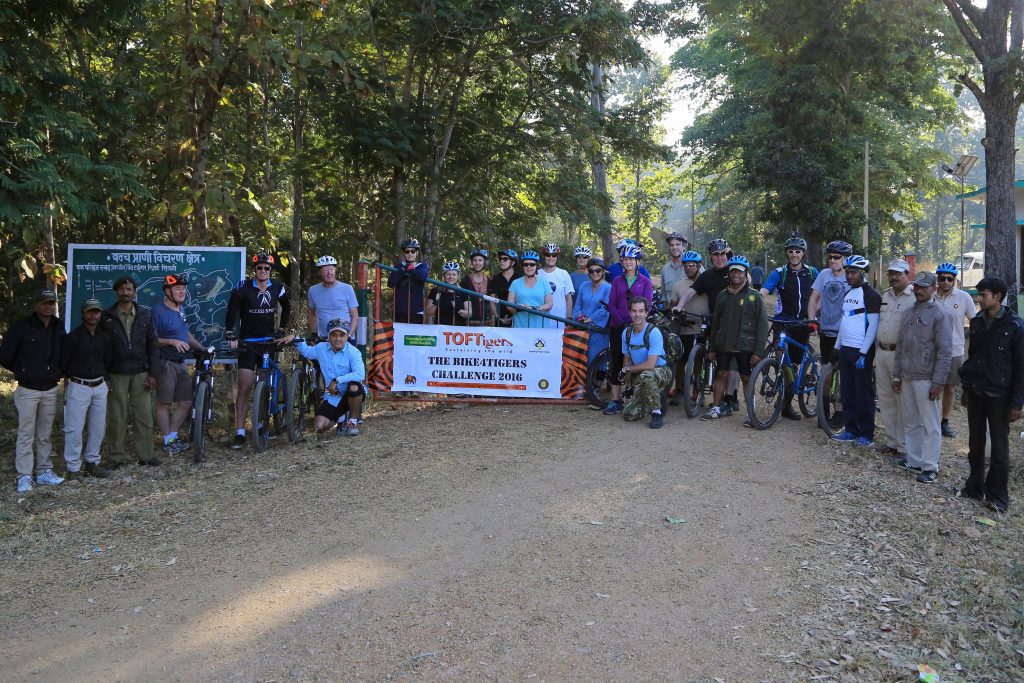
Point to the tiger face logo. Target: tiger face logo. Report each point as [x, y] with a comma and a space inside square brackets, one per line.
[410, 379]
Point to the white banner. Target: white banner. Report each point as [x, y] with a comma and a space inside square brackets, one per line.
[483, 361]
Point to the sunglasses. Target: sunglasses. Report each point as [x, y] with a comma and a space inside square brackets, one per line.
[504, 258]
[595, 271]
[409, 251]
[835, 257]
[794, 251]
[946, 278]
[529, 264]
[719, 253]
[267, 268]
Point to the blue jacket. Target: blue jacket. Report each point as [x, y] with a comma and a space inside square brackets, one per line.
[408, 286]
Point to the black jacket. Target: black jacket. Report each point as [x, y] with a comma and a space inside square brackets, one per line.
[141, 353]
[32, 352]
[995, 359]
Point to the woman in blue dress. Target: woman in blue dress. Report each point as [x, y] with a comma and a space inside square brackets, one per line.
[592, 306]
[531, 290]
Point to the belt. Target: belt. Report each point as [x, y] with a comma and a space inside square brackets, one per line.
[887, 347]
[87, 382]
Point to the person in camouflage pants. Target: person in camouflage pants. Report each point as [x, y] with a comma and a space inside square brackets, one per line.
[645, 370]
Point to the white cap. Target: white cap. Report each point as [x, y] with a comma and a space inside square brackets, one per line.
[899, 264]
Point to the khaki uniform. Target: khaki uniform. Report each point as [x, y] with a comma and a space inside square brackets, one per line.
[888, 338]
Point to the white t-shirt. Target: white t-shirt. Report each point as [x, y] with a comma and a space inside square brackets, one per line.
[857, 304]
[960, 306]
[561, 286]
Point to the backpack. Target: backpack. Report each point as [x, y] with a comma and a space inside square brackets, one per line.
[673, 344]
[784, 270]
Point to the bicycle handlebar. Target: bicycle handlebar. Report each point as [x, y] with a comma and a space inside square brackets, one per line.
[787, 322]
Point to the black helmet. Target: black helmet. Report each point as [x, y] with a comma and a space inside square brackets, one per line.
[718, 245]
[796, 243]
[839, 247]
[410, 243]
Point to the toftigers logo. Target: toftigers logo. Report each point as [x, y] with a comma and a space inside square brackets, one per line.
[410, 379]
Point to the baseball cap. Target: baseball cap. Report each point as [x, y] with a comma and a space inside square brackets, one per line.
[899, 264]
[924, 279]
[91, 305]
[337, 324]
[45, 294]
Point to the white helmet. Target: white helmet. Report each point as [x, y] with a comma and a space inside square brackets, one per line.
[582, 251]
[326, 261]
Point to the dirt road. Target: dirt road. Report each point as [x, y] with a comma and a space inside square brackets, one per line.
[484, 543]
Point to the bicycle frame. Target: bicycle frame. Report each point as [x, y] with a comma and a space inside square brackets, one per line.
[783, 344]
[269, 370]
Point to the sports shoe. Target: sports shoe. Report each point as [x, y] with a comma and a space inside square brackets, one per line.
[657, 422]
[714, 414]
[748, 424]
[238, 442]
[726, 408]
[181, 445]
[73, 476]
[353, 428]
[904, 465]
[928, 477]
[994, 507]
[844, 436]
[48, 478]
[864, 442]
[612, 408]
[790, 414]
[94, 469]
[947, 431]
[342, 428]
[24, 483]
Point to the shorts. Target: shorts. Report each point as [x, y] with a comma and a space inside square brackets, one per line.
[332, 413]
[250, 359]
[174, 383]
[724, 361]
[954, 370]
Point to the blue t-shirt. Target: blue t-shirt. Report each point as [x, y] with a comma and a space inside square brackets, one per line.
[170, 324]
[331, 303]
[633, 343]
[578, 280]
[529, 296]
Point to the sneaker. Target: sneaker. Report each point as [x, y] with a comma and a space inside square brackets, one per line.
[24, 483]
[904, 465]
[181, 445]
[238, 442]
[73, 476]
[94, 469]
[864, 442]
[995, 507]
[150, 462]
[171, 447]
[748, 424]
[726, 408]
[948, 431]
[928, 477]
[714, 414]
[612, 408]
[341, 429]
[353, 428]
[48, 478]
[844, 436]
[790, 414]
[657, 422]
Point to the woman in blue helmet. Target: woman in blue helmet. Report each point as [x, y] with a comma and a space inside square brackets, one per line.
[448, 306]
[592, 306]
[531, 290]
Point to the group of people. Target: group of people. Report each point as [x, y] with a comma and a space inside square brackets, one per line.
[124, 359]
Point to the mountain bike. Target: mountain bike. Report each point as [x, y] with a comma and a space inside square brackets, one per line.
[305, 391]
[202, 401]
[830, 407]
[699, 372]
[269, 399]
[766, 389]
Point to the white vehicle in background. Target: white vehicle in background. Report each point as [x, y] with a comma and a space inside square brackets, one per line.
[972, 269]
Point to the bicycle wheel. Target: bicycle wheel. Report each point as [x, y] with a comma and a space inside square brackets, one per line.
[295, 405]
[199, 408]
[808, 390]
[764, 393]
[598, 390]
[830, 408]
[279, 418]
[261, 416]
[694, 381]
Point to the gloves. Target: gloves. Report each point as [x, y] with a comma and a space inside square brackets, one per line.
[860, 362]
[814, 326]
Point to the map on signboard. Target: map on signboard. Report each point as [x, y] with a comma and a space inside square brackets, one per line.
[211, 273]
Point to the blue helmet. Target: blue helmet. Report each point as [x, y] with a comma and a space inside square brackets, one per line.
[692, 257]
[857, 261]
[480, 252]
[623, 243]
[530, 255]
[740, 261]
[511, 253]
[631, 251]
[450, 266]
[946, 268]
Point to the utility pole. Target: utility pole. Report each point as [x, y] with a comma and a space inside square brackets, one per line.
[867, 176]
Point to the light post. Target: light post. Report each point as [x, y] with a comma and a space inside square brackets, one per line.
[960, 171]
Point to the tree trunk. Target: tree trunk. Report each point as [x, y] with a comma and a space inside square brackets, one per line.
[300, 125]
[1000, 213]
[597, 164]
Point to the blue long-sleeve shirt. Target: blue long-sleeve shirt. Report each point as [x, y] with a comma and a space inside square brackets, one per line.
[343, 366]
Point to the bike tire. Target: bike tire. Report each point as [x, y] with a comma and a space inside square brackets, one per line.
[200, 406]
[261, 416]
[830, 409]
[295, 406]
[694, 380]
[764, 393]
[597, 376]
[808, 396]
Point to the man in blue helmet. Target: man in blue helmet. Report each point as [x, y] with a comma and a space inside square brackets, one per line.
[959, 306]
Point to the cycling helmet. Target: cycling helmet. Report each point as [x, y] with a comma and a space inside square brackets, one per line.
[263, 257]
[857, 261]
[595, 261]
[582, 251]
[480, 252]
[839, 247]
[946, 268]
[675, 235]
[738, 262]
[551, 249]
[718, 245]
[410, 243]
[692, 257]
[450, 266]
[796, 243]
[326, 261]
[176, 279]
[632, 251]
[531, 255]
[623, 243]
[511, 253]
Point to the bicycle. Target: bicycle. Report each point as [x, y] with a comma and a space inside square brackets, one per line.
[202, 401]
[830, 407]
[305, 390]
[699, 372]
[767, 387]
[269, 402]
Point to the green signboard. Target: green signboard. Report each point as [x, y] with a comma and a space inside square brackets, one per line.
[211, 272]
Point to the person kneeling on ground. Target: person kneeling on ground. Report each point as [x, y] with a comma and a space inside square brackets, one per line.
[342, 366]
[644, 368]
